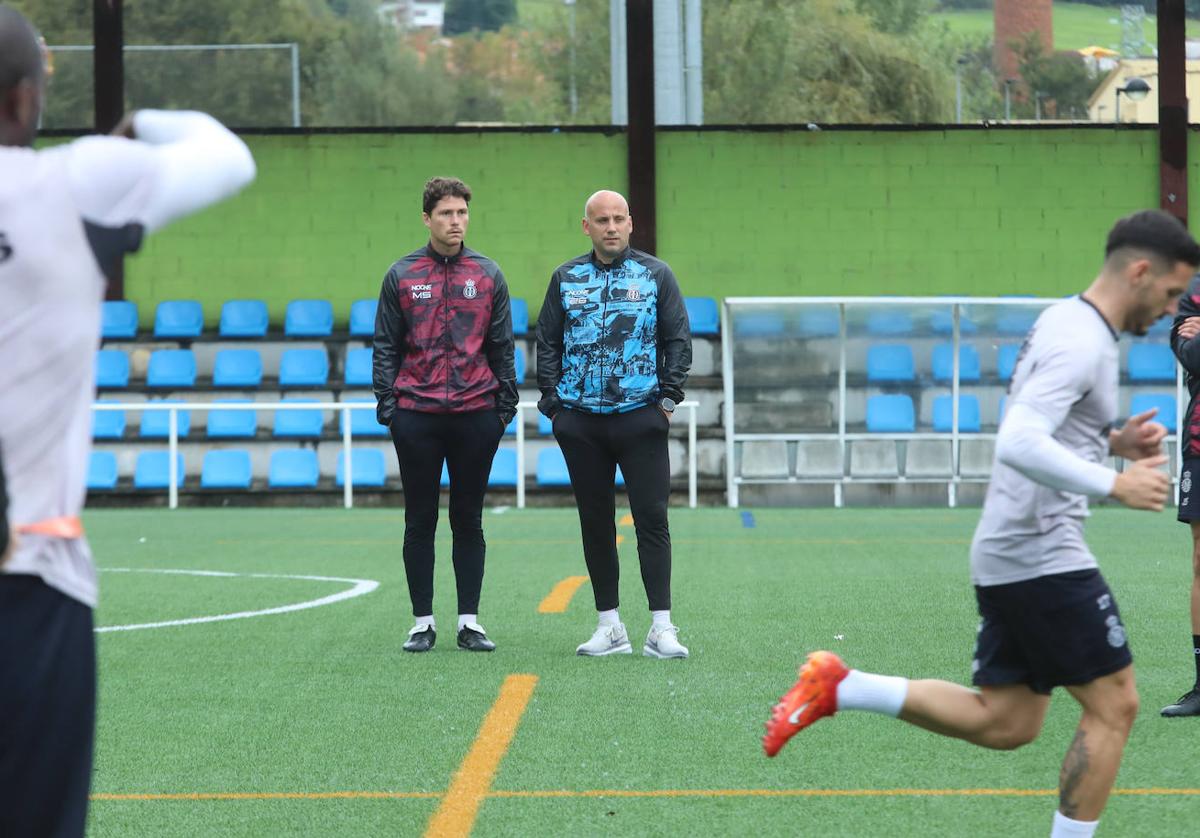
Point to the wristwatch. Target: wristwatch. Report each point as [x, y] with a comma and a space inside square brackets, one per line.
[667, 404]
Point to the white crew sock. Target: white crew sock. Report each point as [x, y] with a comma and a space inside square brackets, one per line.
[1065, 827]
[609, 618]
[662, 619]
[463, 619]
[423, 621]
[874, 693]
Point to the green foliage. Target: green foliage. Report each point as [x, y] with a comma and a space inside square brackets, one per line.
[816, 61]
[1061, 81]
[478, 16]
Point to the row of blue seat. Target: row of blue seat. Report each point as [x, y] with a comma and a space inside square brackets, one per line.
[243, 368]
[243, 424]
[894, 413]
[298, 469]
[248, 319]
[825, 322]
[893, 363]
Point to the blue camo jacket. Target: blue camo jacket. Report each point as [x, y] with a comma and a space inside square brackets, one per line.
[612, 338]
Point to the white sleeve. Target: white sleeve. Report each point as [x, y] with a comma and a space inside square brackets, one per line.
[181, 162]
[1026, 441]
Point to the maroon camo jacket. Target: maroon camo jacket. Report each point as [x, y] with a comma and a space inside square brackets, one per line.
[443, 337]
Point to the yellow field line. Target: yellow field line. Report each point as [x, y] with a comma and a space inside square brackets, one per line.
[626, 520]
[559, 598]
[473, 780]
[419, 795]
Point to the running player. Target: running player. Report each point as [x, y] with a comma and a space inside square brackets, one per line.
[1049, 619]
[66, 216]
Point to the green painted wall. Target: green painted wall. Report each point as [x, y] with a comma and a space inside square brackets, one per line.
[740, 213]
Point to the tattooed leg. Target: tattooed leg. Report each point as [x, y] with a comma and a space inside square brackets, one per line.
[1089, 770]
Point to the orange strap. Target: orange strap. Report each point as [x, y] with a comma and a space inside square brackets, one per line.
[64, 526]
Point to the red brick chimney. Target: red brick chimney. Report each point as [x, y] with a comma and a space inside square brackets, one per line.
[1014, 20]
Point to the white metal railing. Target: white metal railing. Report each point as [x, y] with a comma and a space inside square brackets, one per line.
[173, 409]
[955, 305]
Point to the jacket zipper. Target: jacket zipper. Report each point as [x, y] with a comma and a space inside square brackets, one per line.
[446, 326]
[600, 331]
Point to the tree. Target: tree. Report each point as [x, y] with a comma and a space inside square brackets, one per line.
[478, 15]
[1061, 81]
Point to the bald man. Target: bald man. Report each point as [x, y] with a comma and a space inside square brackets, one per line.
[613, 350]
[67, 214]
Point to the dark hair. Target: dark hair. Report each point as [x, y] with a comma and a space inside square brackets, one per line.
[20, 54]
[437, 188]
[1156, 232]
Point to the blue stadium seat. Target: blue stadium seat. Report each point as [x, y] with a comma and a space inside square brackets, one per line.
[226, 470]
[519, 364]
[244, 319]
[1017, 321]
[237, 368]
[178, 319]
[309, 318]
[152, 470]
[552, 468]
[1161, 327]
[511, 428]
[520, 316]
[545, 425]
[504, 468]
[298, 424]
[1165, 402]
[703, 315]
[112, 368]
[102, 471]
[1151, 362]
[232, 424]
[890, 362]
[118, 320]
[968, 414]
[890, 321]
[358, 367]
[294, 468]
[108, 424]
[942, 322]
[171, 368]
[304, 368]
[445, 482]
[620, 477]
[368, 469]
[156, 424]
[758, 324]
[819, 322]
[362, 318]
[362, 422]
[1006, 360]
[891, 414]
[943, 362]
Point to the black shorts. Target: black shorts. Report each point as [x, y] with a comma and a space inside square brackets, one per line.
[1052, 631]
[47, 709]
[1189, 491]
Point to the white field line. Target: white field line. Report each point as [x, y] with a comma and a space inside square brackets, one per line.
[360, 587]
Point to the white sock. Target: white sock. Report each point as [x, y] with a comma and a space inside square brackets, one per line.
[662, 619]
[1065, 827]
[874, 693]
[463, 619]
[609, 618]
[424, 621]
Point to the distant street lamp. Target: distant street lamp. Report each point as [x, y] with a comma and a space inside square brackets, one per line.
[1008, 83]
[958, 96]
[1136, 89]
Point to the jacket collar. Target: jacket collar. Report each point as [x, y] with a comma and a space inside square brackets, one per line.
[444, 260]
[616, 263]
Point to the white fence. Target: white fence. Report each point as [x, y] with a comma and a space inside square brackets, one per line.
[173, 408]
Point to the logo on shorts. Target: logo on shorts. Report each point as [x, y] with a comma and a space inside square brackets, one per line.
[1104, 602]
[1185, 484]
[1116, 632]
[469, 290]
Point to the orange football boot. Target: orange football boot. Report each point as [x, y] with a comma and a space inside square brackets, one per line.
[813, 697]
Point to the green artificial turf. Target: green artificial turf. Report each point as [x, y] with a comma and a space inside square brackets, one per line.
[323, 700]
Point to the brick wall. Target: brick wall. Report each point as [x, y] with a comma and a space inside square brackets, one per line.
[740, 213]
